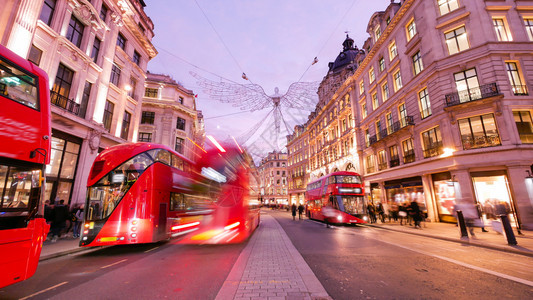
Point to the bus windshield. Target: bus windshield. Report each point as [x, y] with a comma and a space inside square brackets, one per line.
[353, 205]
[105, 195]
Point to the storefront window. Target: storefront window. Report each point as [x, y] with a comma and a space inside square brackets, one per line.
[445, 198]
[62, 168]
[493, 197]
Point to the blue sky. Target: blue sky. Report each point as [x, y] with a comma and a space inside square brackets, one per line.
[273, 42]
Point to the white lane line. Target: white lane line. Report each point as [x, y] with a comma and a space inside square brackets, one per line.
[118, 262]
[151, 249]
[509, 277]
[45, 290]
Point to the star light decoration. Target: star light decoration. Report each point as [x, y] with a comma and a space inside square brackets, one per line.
[251, 97]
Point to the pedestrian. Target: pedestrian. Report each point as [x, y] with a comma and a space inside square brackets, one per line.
[328, 212]
[380, 212]
[402, 213]
[293, 210]
[59, 219]
[371, 212]
[79, 219]
[48, 211]
[416, 214]
[300, 211]
[394, 211]
[470, 216]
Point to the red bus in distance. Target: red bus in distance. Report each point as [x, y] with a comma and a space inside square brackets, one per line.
[141, 193]
[25, 130]
[339, 197]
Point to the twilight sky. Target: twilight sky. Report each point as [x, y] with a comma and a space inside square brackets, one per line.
[272, 41]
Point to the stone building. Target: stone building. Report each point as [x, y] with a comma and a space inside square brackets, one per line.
[273, 179]
[443, 106]
[297, 164]
[96, 54]
[169, 116]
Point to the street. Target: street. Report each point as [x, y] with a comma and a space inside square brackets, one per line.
[350, 262]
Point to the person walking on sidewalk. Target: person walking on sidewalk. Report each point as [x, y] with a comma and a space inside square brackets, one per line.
[59, 219]
[371, 212]
[300, 211]
[293, 210]
[79, 220]
[416, 214]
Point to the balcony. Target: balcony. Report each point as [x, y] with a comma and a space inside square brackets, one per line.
[433, 150]
[396, 126]
[481, 92]
[65, 103]
[382, 166]
[394, 162]
[409, 156]
[370, 169]
[481, 142]
[520, 90]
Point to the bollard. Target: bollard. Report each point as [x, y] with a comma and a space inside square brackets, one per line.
[462, 224]
[508, 230]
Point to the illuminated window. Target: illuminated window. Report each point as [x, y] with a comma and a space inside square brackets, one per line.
[151, 92]
[408, 151]
[382, 160]
[467, 85]
[524, 125]
[397, 81]
[456, 40]
[519, 88]
[364, 111]
[393, 52]
[361, 88]
[62, 85]
[502, 33]
[371, 75]
[402, 114]
[432, 142]
[425, 105]
[381, 64]
[394, 158]
[411, 30]
[445, 6]
[370, 166]
[378, 32]
[418, 66]
[385, 91]
[389, 123]
[375, 102]
[479, 132]
[528, 23]
[378, 130]
[125, 125]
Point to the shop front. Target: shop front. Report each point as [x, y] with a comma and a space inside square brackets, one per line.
[444, 188]
[406, 190]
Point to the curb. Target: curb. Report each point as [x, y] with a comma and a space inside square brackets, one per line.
[466, 242]
[67, 252]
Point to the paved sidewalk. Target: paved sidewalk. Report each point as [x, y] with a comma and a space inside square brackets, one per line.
[62, 246]
[450, 232]
[270, 267]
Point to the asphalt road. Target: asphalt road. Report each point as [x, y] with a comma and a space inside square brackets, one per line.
[369, 263]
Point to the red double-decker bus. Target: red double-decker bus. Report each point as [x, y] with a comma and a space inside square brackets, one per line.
[339, 197]
[24, 152]
[141, 193]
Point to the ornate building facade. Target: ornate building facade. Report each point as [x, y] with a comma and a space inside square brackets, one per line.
[169, 116]
[96, 54]
[297, 164]
[443, 107]
[273, 179]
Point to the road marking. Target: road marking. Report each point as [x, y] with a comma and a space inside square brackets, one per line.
[151, 249]
[509, 277]
[45, 290]
[118, 262]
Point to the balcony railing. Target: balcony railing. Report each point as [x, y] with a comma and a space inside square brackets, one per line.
[382, 166]
[396, 126]
[433, 150]
[520, 90]
[370, 169]
[65, 103]
[481, 142]
[481, 92]
[394, 162]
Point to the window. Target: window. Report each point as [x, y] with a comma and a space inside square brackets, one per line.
[115, 75]
[524, 125]
[85, 98]
[371, 75]
[528, 23]
[378, 130]
[35, 55]
[502, 33]
[62, 85]
[446, 6]
[425, 105]
[103, 12]
[133, 85]
[456, 40]
[402, 114]
[382, 160]
[385, 91]
[397, 81]
[393, 52]
[180, 100]
[136, 58]
[121, 41]
[370, 167]
[75, 31]
[96, 49]
[432, 142]
[108, 114]
[467, 85]
[179, 145]
[377, 31]
[126, 120]
[394, 158]
[20, 86]
[361, 88]
[408, 151]
[364, 111]
[381, 64]
[417, 63]
[151, 93]
[479, 132]
[180, 124]
[389, 123]
[147, 117]
[375, 102]
[47, 12]
[411, 30]
[519, 88]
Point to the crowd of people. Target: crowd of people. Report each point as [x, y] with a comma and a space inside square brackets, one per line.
[408, 213]
[62, 219]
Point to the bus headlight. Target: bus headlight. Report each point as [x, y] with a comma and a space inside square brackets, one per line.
[339, 218]
[365, 218]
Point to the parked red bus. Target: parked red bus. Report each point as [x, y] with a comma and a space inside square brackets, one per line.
[141, 193]
[24, 152]
[338, 196]
[226, 172]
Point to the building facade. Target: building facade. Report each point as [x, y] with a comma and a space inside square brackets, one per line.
[96, 54]
[443, 107]
[273, 179]
[297, 164]
[169, 116]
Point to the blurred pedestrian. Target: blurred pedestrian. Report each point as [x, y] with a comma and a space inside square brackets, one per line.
[380, 212]
[293, 210]
[300, 211]
[470, 216]
[416, 214]
[59, 219]
[79, 219]
[48, 211]
[371, 210]
[402, 213]
[328, 213]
